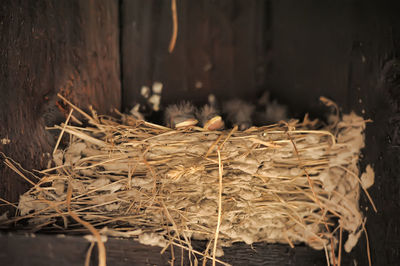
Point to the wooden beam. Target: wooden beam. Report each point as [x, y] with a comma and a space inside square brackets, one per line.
[46, 47]
[28, 249]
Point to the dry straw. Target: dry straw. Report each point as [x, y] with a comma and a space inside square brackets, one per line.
[285, 183]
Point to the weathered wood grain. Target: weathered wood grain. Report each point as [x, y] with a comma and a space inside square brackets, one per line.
[46, 47]
[17, 249]
[220, 49]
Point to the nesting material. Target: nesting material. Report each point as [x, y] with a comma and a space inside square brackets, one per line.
[285, 183]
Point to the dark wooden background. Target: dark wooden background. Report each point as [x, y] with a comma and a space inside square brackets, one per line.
[46, 47]
[221, 44]
[299, 50]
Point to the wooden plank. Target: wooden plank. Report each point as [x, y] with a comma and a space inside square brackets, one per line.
[216, 50]
[71, 47]
[17, 249]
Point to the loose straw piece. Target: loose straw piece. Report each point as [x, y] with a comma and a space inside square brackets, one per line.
[89, 254]
[368, 248]
[88, 117]
[212, 146]
[85, 137]
[19, 165]
[206, 253]
[8, 203]
[175, 27]
[12, 167]
[327, 256]
[63, 129]
[220, 171]
[227, 137]
[340, 246]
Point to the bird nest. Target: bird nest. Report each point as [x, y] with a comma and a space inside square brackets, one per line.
[292, 182]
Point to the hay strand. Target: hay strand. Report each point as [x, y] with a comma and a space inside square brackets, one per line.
[62, 131]
[367, 240]
[220, 171]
